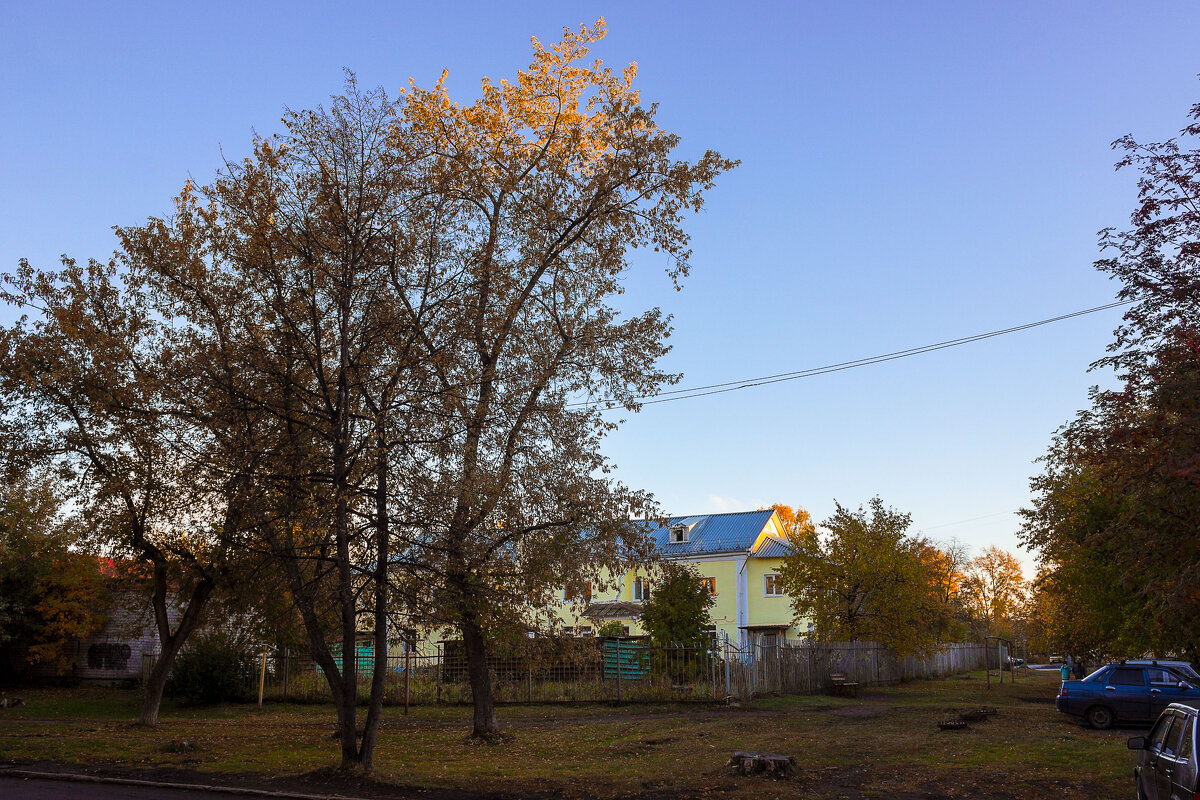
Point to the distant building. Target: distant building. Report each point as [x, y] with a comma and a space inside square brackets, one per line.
[126, 645]
[738, 557]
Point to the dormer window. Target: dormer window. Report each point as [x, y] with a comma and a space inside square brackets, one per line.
[679, 533]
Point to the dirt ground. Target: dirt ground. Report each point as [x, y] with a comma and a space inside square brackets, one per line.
[886, 743]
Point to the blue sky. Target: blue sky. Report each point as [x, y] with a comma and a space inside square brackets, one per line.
[910, 173]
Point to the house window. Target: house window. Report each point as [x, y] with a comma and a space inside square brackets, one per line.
[771, 586]
[583, 630]
[408, 641]
[709, 585]
[571, 593]
[679, 533]
[641, 590]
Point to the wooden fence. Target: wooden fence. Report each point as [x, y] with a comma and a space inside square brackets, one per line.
[621, 670]
[806, 669]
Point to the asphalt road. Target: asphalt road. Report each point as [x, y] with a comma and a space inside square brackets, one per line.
[40, 789]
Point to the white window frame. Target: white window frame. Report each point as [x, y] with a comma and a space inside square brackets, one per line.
[682, 531]
[639, 590]
[773, 585]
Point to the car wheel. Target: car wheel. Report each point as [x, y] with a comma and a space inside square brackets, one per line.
[1099, 717]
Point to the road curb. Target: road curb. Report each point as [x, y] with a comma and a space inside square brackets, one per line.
[77, 777]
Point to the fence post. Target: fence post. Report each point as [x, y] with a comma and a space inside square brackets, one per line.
[528, 681]
[262, 676]
[755, 661]
[712, 666]
[439, 673]
[407, 672]
[726, 659]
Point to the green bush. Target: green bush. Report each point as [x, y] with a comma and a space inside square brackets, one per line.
[213, 669]
[611, 628]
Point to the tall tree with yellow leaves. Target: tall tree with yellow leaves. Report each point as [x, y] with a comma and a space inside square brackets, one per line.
[994, 592]
[550, 178]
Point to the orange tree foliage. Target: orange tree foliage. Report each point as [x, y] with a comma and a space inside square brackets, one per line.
[994, 592]
[51, 596]
[796, 521]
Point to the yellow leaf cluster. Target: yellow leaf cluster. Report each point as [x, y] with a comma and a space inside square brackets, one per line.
[558, 113]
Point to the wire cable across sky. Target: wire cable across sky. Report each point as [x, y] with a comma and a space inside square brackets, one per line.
[766, 380]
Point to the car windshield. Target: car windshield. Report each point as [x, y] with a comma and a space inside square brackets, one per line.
[1186, 670]
[1095, 676]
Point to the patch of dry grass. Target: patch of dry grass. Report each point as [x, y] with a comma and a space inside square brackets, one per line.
[885, 743]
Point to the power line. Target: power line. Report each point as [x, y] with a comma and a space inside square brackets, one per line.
[965, 521]
[765, 380]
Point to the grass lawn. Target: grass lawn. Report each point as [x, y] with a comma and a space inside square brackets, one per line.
[885, 744]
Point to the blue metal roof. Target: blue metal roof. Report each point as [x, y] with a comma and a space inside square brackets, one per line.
[773, 548]
[711, 533]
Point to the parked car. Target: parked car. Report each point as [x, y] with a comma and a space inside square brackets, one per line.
[1164, 765]
[1184, 667]
[1126, 693]
[1057, 659]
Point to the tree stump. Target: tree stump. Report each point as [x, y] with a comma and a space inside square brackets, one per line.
[772, 765]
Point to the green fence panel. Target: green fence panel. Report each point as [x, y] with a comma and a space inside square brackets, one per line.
[629, 660]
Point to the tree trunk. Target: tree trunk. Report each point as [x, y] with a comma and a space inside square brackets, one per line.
[155, 684]
[170, 643]
[485, 726]
[375, 704]
[348, 708]
[284, 548]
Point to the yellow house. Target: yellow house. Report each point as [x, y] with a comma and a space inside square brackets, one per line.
[738, 557]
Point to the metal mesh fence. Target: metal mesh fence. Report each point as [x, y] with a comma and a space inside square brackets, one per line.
[612, 670]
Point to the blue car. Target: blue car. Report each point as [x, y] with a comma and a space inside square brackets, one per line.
[1127, 692]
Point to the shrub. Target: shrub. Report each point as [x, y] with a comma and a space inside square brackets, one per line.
[213, 669]
[611, 628]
